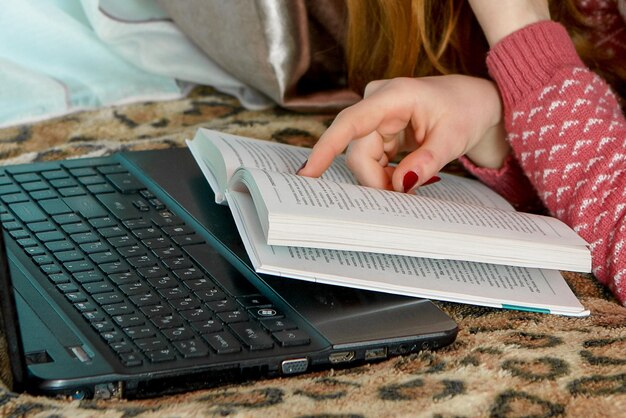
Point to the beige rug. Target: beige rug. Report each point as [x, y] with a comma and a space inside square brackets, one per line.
[503, 364]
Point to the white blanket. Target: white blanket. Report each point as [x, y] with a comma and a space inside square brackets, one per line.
[60, 56]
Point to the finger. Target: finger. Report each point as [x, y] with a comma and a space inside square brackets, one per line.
[392, 143]
[418, 167]
[374, 86]
[367, 161]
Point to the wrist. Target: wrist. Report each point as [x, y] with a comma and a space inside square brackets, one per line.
[499, 19]
[492, 150]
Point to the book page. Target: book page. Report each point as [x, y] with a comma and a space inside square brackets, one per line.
[221, 154]
[465, 282]
[463, 190]
[302, 200]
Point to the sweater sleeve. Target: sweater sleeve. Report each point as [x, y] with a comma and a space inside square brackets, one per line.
[509, 181]
[568, 135]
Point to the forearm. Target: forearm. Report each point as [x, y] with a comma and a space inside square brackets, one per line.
[567, 131]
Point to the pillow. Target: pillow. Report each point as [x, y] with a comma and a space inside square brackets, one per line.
[290, 50]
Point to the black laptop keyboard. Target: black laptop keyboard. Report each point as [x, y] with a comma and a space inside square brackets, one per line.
[118, 255]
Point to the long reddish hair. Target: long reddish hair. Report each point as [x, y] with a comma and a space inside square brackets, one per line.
[392, 38]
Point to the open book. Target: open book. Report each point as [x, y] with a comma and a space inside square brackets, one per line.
[453, 240]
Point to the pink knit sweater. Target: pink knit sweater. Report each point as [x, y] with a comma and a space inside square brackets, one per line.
[568, 136]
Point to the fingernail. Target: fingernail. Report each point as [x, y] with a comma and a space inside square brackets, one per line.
[409, 181]
[433, 179]
[302, 166]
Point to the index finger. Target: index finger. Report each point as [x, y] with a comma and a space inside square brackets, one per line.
[351, 123]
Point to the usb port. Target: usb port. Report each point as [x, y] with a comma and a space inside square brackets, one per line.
[376, 353]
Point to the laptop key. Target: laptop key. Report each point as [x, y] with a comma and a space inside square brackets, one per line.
[278, 324]
[163, 282]
[61, 245]
[208, 295]
[94, 316]
[129, 320]
[231, 317]
[112, 336]
[224, 305]
[85, 307]
[125, 182]
[254, 301]
[223, 342]
[75, 228]
[190, 273]
[28, 212]
[68, 287]
[191, 239]
[33, 250]
[192, 348]
[118, 308]
[131, 251]
[66, 218]
[290, 338]
[115, 267]
[150, 344]
[189, 302]
[131, 359]
[108, 298]
[140, 331]
[102, 222]
[165, 217]
[145, 299]
[75, 297]
[178, 334]
[155, 311]
[252, 335]
[103, 326]
[121, 206]
[69, 255]
[159, 356]
[50, 269]
[206, 326]
[95, 288]
[88, 276]
[100, 188]
[124, 277]
[103, 257]
[171, 320]
[121, 347]
[199, 314]
[55, 207]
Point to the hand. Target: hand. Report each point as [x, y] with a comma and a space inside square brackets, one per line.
[499, 18]
[439, 118]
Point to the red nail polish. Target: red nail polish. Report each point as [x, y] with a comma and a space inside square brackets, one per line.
[409, 181]
[302, 166]
[433, 179]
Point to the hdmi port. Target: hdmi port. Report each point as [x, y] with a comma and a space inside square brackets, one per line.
[341, 357]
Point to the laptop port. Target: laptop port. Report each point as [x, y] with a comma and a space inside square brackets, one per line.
[297, 365]
[376, 353]
[341, 357]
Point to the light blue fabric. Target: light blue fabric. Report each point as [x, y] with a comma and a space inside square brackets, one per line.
[60, 56]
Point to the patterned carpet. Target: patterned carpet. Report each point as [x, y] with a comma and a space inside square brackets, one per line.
[503, 364]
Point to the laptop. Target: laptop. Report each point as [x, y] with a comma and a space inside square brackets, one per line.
[122, 279]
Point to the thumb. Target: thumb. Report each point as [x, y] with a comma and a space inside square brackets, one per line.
[418, 168]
